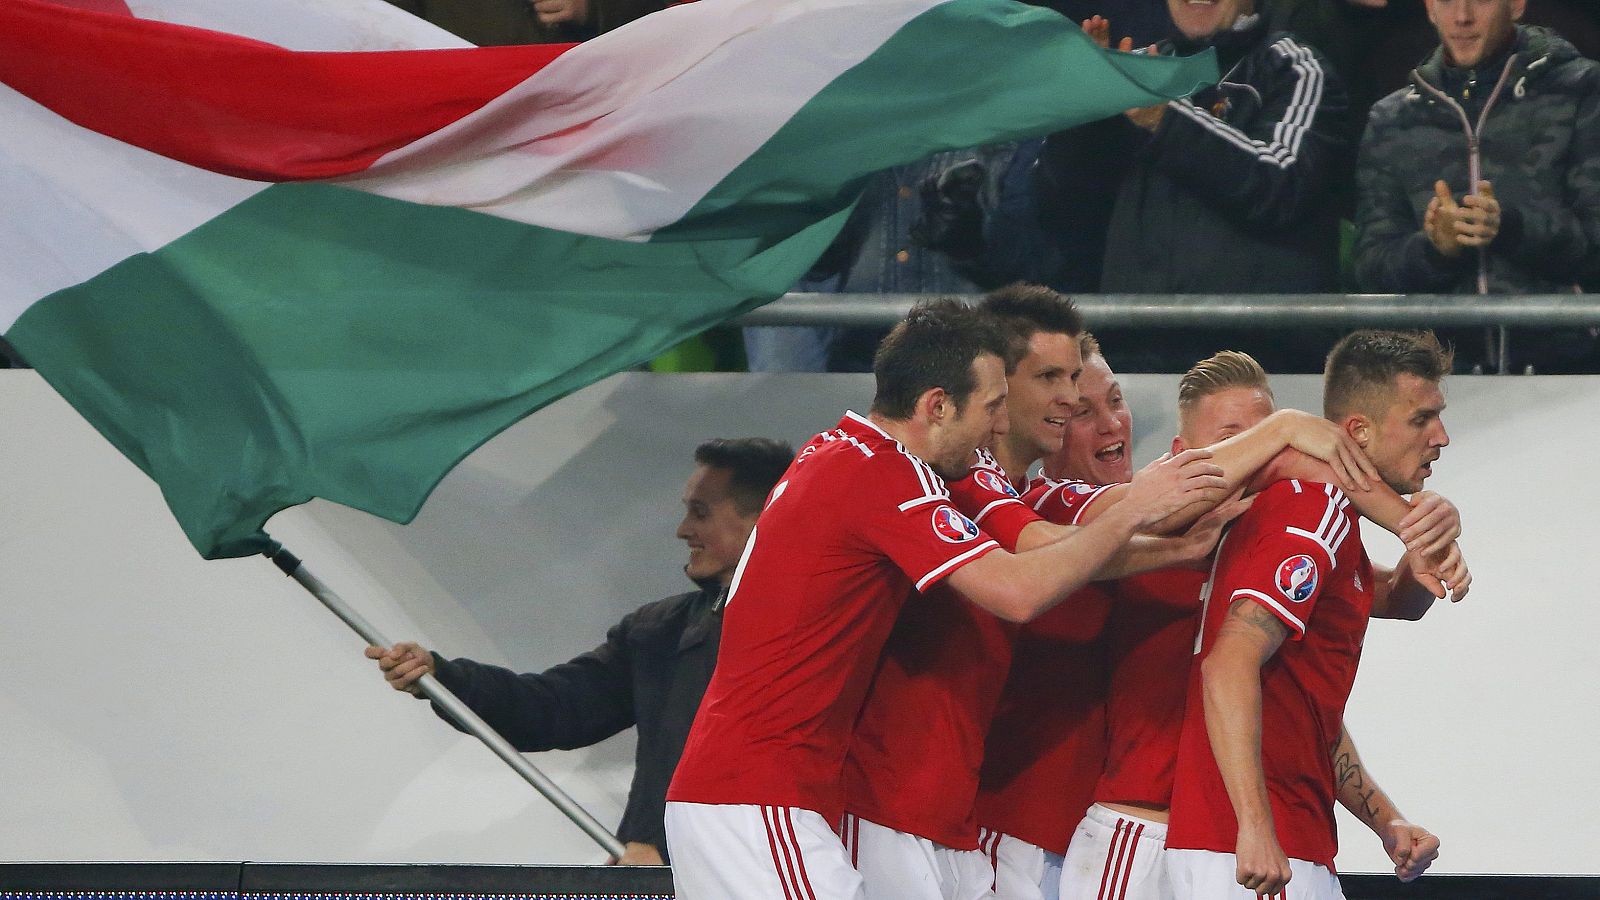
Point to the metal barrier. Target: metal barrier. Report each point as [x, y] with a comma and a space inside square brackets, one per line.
[1499, 312]
[1257, 310]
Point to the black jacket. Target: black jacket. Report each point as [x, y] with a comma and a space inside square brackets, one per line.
[1232, 192]
[651, 672]
[1538, 142]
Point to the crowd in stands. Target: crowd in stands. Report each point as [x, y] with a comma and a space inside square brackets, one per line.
[1350, 147]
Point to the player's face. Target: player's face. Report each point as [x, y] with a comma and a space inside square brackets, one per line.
[1474, 30]
[1404, 443]
[712, 526]
[1041, 396]
[1200, 19]
[978, 422]
[1217, 417]
[1100, 431]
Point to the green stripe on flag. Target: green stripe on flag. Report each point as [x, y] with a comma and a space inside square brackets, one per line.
[317, 341]
[963, 74]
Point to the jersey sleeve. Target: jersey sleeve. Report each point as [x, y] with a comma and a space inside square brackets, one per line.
[987, 498]
[1291, 552]
[909, 516]
[1063, 502]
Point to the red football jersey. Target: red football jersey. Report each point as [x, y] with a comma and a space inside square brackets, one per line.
[1149, 641]
[914, 758]
[855, 525]
[1047, 742]
[1297, 552]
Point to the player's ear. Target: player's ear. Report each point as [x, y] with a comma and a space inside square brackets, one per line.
[1177, 445]
[936, 404]
[1359, 427]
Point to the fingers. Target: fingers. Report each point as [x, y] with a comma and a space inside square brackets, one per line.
[1486, 189]
[1126, 45]
[374, 652]
[1441, 193]
[1431, 526]
[1415, 854]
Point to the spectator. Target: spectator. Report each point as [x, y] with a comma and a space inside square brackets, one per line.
[655, 663]
[1441, 211]
[875, 253]
[1228, 191]
[494, 22]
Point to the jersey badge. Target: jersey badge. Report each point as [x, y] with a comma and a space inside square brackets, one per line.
[1080, 487]
[1297, 578]
[952, 527]
[992, 482]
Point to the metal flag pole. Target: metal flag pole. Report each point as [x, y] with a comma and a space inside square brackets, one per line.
[450, 703]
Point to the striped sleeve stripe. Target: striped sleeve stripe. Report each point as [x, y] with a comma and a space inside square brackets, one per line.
[1334, 527]
[913, 504]
[954, 563]
[1289, 131]
[1093, 496]
[1003, 501]
[1271, 603]
[1055, 488]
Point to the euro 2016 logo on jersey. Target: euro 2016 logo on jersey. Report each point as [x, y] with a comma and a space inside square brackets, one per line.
[1297, 578]
[1080, 487]
[992, 482]
[952, 526]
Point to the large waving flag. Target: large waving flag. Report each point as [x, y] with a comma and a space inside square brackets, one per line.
[270, 274]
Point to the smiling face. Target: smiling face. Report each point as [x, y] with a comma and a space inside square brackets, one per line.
[1219, 416]
[1409, 435]
[1472, 31]
[1100, 434]
[1200, 19]
[1042, 394]
[712, 525]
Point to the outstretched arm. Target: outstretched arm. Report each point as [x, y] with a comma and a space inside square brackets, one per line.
[1231, 692]
[1245, 454]
[1018, 587]
[1411, 848]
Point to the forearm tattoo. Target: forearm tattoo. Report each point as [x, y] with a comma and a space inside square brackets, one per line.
[1347, 771]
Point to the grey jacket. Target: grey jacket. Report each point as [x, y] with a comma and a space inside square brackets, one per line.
[1528, 122]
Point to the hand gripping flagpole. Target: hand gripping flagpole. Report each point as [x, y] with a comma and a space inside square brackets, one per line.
[450, 703]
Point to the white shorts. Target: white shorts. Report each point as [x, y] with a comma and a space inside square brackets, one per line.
[1019, 867]
[1207, 875]
[1116, 855]
[744, 852]
[899, 866]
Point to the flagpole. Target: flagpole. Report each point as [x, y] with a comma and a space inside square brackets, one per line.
[450, 703]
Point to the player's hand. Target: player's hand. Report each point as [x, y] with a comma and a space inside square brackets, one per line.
[1316, 436]
[636, 853]
[1478, 217]
[1098, 28]
[1411, 848]
[1432, 524]
[1439, 222]
[1452, 570]
[1262, 865]
[403, 664]
[561, 12]
[1172, 483]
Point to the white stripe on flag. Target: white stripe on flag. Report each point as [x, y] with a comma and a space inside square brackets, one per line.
[663, 126]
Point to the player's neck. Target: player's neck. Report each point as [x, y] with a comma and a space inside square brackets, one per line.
[1015, 460]
[911, 434]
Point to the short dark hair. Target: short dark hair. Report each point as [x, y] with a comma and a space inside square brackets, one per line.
[754, 466]
[1024, 310]
[1362, 367]
[934, 346]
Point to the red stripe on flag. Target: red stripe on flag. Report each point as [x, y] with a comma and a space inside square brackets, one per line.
[242, 107]
[115, 7]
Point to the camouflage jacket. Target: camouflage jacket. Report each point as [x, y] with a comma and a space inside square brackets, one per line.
[1534, 128]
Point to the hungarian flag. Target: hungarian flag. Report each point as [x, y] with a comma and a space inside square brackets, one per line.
[268, 274]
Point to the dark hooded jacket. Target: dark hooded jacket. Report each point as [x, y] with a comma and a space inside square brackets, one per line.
[1529, 121]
